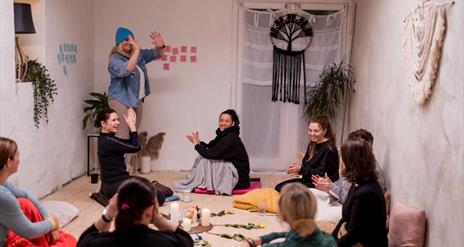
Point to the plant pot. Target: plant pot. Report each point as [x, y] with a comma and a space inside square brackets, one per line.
[145, 164]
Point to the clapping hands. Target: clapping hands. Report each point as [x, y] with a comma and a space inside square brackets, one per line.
[322, 183]
[130, 118]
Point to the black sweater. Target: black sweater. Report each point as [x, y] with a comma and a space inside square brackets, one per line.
[325, 160]
[364, 212]
[111, 150]
[229, 147]
[137, 236]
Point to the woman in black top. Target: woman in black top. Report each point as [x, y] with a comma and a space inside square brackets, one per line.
[364, 211]
[111, 150]
[226, 155]
[321, 156]
[134, 209]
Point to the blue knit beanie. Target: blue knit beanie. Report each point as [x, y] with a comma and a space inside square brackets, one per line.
[121, 34]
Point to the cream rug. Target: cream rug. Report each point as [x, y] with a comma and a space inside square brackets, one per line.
[77, 193]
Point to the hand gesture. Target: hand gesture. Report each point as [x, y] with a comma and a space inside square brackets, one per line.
[130, 118]
[156, 40]
[321, 183]
[135, 44]
[112, 208]
[196, 138]
[293, 168]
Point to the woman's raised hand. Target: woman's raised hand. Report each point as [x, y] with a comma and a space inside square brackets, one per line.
[130, 118]
[194, 138]
[156, 40]
[293, 168]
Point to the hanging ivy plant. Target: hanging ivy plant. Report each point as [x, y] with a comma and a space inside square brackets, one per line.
[44, 89]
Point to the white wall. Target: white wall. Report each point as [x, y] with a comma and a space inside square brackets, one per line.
[189, 96]
[420, 147]
[55, 153]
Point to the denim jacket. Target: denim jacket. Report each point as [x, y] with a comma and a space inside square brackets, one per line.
[125, 85]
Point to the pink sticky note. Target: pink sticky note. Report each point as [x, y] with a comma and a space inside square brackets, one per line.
[165, 66]
[193, 59]
[183, 58]
[193, 49]
[172, 59]
[164, 58]
[175, 51]
[167, 48]
[183, 49]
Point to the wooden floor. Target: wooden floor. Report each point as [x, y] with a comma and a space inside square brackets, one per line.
[77, 193]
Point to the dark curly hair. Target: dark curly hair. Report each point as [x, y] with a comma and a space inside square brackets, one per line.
[103, 115]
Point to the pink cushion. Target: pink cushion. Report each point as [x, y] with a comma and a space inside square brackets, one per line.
[253, 185]
[407, 226]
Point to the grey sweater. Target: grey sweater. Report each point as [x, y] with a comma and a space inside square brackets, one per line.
[13, 218]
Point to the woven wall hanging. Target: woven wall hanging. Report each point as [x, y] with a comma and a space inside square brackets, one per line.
[291, 35]
[423, 36]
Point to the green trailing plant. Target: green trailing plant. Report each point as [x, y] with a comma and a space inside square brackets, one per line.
[93, 106]
[44, 88]
[335, 83]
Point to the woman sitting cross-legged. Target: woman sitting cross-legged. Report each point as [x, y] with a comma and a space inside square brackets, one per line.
[134, 208]
[23, 220]
[321, 155]
[222, 164]
[297, 208]
[364, 211]
[111, 150]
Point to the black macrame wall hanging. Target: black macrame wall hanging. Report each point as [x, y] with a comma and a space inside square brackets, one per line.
[291, 35]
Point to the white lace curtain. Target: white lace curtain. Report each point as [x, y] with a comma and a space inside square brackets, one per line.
[274, 132]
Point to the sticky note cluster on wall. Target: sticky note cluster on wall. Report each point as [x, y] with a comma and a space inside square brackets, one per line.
[180, 54]
[67, 55]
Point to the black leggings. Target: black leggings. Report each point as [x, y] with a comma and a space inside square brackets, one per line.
[280, 185]
[109, 189]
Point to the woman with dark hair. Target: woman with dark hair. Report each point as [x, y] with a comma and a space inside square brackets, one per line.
[111, 150]
[222, 164]
[134, 208]
[23, 220]
[364, 211]
[321, 156]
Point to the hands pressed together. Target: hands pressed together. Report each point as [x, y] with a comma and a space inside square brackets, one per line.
[130, 118]
[321, 183]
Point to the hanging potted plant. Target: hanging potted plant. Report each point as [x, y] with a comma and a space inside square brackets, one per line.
[93, 106]
[44, 89]
[335, 84]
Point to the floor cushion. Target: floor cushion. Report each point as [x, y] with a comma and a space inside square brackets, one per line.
[254, 184]
[63, 211]
[407, 226]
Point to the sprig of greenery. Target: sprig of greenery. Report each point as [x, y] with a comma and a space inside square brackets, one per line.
[222, 213]
[166, 216]
[249, 226]
[236, 237]
[44, 89]
[201, 242]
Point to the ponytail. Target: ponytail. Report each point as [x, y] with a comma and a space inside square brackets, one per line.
[304, 227]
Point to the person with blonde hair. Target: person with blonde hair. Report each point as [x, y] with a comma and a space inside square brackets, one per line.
[23, 220]
[297, 208]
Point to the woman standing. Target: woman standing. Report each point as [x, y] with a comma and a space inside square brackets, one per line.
[129, 78]
[21, 215]
[364, 211]
[134, 208]
[321, 156]
[222, 164]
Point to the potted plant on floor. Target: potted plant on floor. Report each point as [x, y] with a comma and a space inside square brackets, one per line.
[149, 149]
[335, 84]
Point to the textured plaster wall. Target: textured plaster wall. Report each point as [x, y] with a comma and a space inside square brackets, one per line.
[420, 147]
[189, 96]
[55, 153]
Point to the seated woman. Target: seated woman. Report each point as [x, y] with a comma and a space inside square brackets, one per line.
[111, 150]
[339, 189]
[222, 164]
[23, 220]
[297, 208]
[321, 156]
[134, 208]
[364, 211]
